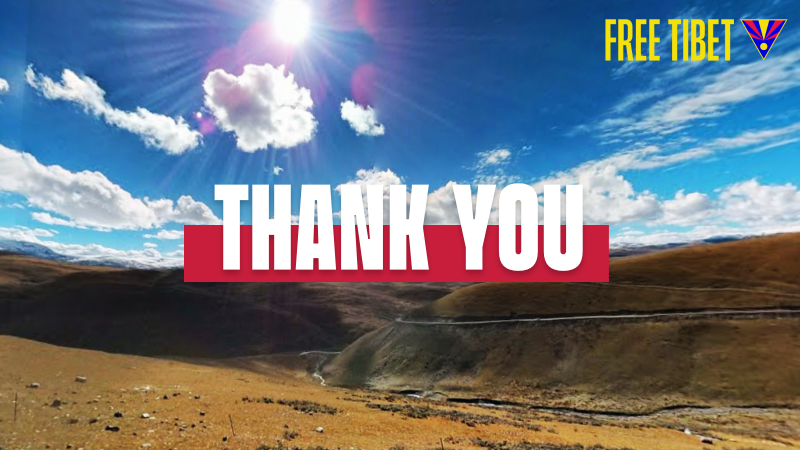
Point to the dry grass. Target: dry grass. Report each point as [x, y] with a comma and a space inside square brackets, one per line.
[768, 263]
[185, 421]
[18, 270]
[627, 365]
[754, 271]
[606, 366]
[154, 313]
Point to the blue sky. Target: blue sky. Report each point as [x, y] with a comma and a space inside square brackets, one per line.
[121, 116]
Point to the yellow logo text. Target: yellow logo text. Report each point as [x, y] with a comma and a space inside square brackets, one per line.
[692, 39]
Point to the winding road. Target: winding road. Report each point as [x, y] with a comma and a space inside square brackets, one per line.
[690, 314]
[698, 289]
[642, 315]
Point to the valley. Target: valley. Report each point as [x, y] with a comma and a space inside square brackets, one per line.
[685, 348]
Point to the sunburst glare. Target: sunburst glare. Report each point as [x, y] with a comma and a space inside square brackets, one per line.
[291, 20]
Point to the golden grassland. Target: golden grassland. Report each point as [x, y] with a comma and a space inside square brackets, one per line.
[18, 270]
[755, 272]
[192, 406]
[268, 402]
[618, 364]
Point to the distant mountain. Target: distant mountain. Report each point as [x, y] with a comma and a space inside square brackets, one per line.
[623, 250]
[31, 249]
[151, 263]
[42, 252]
[635, 250]
[157, 262]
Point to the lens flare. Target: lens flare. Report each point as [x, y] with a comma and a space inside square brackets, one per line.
[291, 20]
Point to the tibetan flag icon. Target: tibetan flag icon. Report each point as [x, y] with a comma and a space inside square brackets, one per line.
[763, 32]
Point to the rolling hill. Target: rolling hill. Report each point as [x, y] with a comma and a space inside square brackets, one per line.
[201, 407]
[154, 313]
[617, 363]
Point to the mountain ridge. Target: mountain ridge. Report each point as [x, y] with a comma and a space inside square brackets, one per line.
[625, 363]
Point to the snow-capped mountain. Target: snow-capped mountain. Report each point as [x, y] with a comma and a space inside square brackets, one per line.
[145, 262]
[31, 249]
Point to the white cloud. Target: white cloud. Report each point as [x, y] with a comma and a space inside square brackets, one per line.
[361, 119]
[263, 107]
[47, 219]
[34, 232]
[749, 138]
[753, 203]
[172, 135]
[165, 235]
[742, 209]
[186, 210]
[499, 178]
[708, 96]
[490, 167]
[89, 199]
[636, 98]
[609, 198]
[24, 234]
[277, 170]
[735, 85]
[367, 177]
[748, 208]
[150, 245]
[441, 208]
[642, 157]
[662, 110]
[94, 253]
[772, 145]
[374, 176]
[4, 86]
[492, 158]
[686, 209]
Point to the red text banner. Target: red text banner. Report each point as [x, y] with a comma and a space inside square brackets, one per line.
[445, 251]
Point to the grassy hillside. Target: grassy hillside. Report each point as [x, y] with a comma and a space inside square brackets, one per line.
[17, 270]
[604, 366]
[195, 407]
[747, 273]
[619, 364]
[769, 263]
[156, 313]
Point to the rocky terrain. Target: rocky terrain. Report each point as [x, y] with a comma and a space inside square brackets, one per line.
[123, 401]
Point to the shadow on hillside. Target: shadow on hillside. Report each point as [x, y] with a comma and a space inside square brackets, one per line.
[152, 313]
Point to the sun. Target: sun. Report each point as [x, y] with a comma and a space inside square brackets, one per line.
[291, 20]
